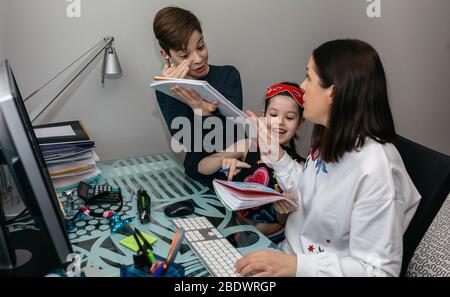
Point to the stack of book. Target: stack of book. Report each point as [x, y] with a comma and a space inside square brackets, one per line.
[67, 148]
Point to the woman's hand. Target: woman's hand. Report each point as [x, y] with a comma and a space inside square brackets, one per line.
[271, 151]
[284, 207]
[233, 164]
[195, 101]
[267, 263]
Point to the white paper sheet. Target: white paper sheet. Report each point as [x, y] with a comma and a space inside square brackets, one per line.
[54, 131]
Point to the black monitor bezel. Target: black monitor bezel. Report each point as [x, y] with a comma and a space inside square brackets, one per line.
[22, 154]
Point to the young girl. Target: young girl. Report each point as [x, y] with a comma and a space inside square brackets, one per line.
[284, 103]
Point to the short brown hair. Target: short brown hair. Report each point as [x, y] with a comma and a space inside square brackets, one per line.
[360, 105]
[173, 26]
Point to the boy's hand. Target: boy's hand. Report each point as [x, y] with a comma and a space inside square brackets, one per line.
[179, 71]
[233, 165]
[195, 101]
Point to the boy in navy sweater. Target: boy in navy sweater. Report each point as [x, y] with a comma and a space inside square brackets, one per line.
[179, 34]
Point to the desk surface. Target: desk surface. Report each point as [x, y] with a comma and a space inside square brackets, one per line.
[165, 182]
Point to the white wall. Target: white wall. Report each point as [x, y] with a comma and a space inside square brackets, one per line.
[3, 22]
[266, 40]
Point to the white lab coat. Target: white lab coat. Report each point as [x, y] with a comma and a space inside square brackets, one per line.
[353, 213]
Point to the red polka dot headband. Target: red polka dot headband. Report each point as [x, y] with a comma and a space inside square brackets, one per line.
[295, 92]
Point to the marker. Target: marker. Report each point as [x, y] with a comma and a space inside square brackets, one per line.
[223, 170]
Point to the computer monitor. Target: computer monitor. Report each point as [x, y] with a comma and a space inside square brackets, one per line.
[20, 151]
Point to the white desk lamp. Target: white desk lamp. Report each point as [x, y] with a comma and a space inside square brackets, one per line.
[111, 68]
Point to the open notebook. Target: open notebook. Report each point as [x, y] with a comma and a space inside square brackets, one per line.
[202, 88]
[243, 195]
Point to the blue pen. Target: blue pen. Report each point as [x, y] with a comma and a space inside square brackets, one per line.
[223, 170]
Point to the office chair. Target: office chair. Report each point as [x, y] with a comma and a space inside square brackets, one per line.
[430, 172]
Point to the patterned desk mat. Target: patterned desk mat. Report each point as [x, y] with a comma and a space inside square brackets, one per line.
[166, 183]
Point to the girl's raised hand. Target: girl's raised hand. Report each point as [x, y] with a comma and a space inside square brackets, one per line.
[271, 151]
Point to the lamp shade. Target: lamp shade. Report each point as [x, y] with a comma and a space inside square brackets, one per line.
[112, 64]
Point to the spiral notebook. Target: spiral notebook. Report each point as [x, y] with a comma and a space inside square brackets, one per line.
[202, 88]
[244, 195]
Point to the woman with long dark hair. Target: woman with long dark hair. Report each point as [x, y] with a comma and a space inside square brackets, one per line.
[355, 194]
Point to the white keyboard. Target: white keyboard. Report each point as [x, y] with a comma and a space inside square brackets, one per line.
[216, 253]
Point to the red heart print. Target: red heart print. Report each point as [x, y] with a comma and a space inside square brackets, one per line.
[260, 176]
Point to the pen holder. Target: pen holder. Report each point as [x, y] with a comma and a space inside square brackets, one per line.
[174, 270]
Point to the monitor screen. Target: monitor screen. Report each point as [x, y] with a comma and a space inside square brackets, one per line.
[20, 151]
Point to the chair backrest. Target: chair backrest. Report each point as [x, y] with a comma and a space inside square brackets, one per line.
[430, 172]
